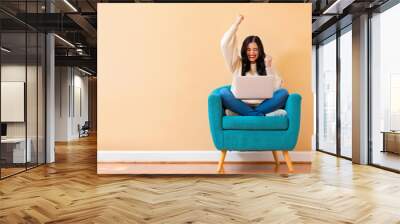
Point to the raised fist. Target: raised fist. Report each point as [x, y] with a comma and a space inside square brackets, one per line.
[239, 19]
[268, 61]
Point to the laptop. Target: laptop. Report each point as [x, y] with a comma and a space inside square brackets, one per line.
[254, 87]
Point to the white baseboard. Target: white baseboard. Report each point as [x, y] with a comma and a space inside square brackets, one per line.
[196, 156]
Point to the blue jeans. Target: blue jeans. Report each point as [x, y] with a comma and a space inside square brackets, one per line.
[277, 101]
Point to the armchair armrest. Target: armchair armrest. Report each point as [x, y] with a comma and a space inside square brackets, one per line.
[293, 108]
[215, 113]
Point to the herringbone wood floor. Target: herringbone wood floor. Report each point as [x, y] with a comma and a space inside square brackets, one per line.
[70, 191]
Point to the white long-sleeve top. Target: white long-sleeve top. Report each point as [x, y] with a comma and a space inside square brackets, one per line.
[233, 60]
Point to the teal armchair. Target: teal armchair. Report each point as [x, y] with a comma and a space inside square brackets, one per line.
[254, 133]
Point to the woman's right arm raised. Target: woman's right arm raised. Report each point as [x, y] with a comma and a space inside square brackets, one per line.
[229, 45]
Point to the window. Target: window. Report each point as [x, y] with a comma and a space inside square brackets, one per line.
[327, 96]
[346, 93]
[385, 89]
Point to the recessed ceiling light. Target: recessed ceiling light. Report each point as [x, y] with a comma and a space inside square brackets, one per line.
[338, 6]
[5, 50]
[84, 71]
[64, 40]
[70, 5]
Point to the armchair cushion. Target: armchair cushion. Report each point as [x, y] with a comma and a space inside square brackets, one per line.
[255, 122]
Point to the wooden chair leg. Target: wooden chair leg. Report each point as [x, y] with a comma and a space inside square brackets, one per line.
[221, 160]
[276, 157]
[288, 160]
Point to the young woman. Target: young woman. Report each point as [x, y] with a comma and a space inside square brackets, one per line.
[251, 61]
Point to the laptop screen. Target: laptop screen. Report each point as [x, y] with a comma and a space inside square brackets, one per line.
[3, 129]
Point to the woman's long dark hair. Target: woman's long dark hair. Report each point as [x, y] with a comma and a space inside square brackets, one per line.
[261, 56]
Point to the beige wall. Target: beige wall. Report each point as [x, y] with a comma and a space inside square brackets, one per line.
[157, 63]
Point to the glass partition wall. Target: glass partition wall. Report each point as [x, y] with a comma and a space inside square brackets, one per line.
[385, 89]
[22, 88]
[345, 93]
[334, 94]
[327, 95]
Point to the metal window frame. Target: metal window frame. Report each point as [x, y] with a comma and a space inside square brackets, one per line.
[337, 35]
[381, 9]
[387, 5]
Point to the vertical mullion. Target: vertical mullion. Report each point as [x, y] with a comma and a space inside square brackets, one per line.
[0, 96]
[26, 86]
[369, 90]
[338, 73]
[317, 95]
[45, 91]
[37, 90]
